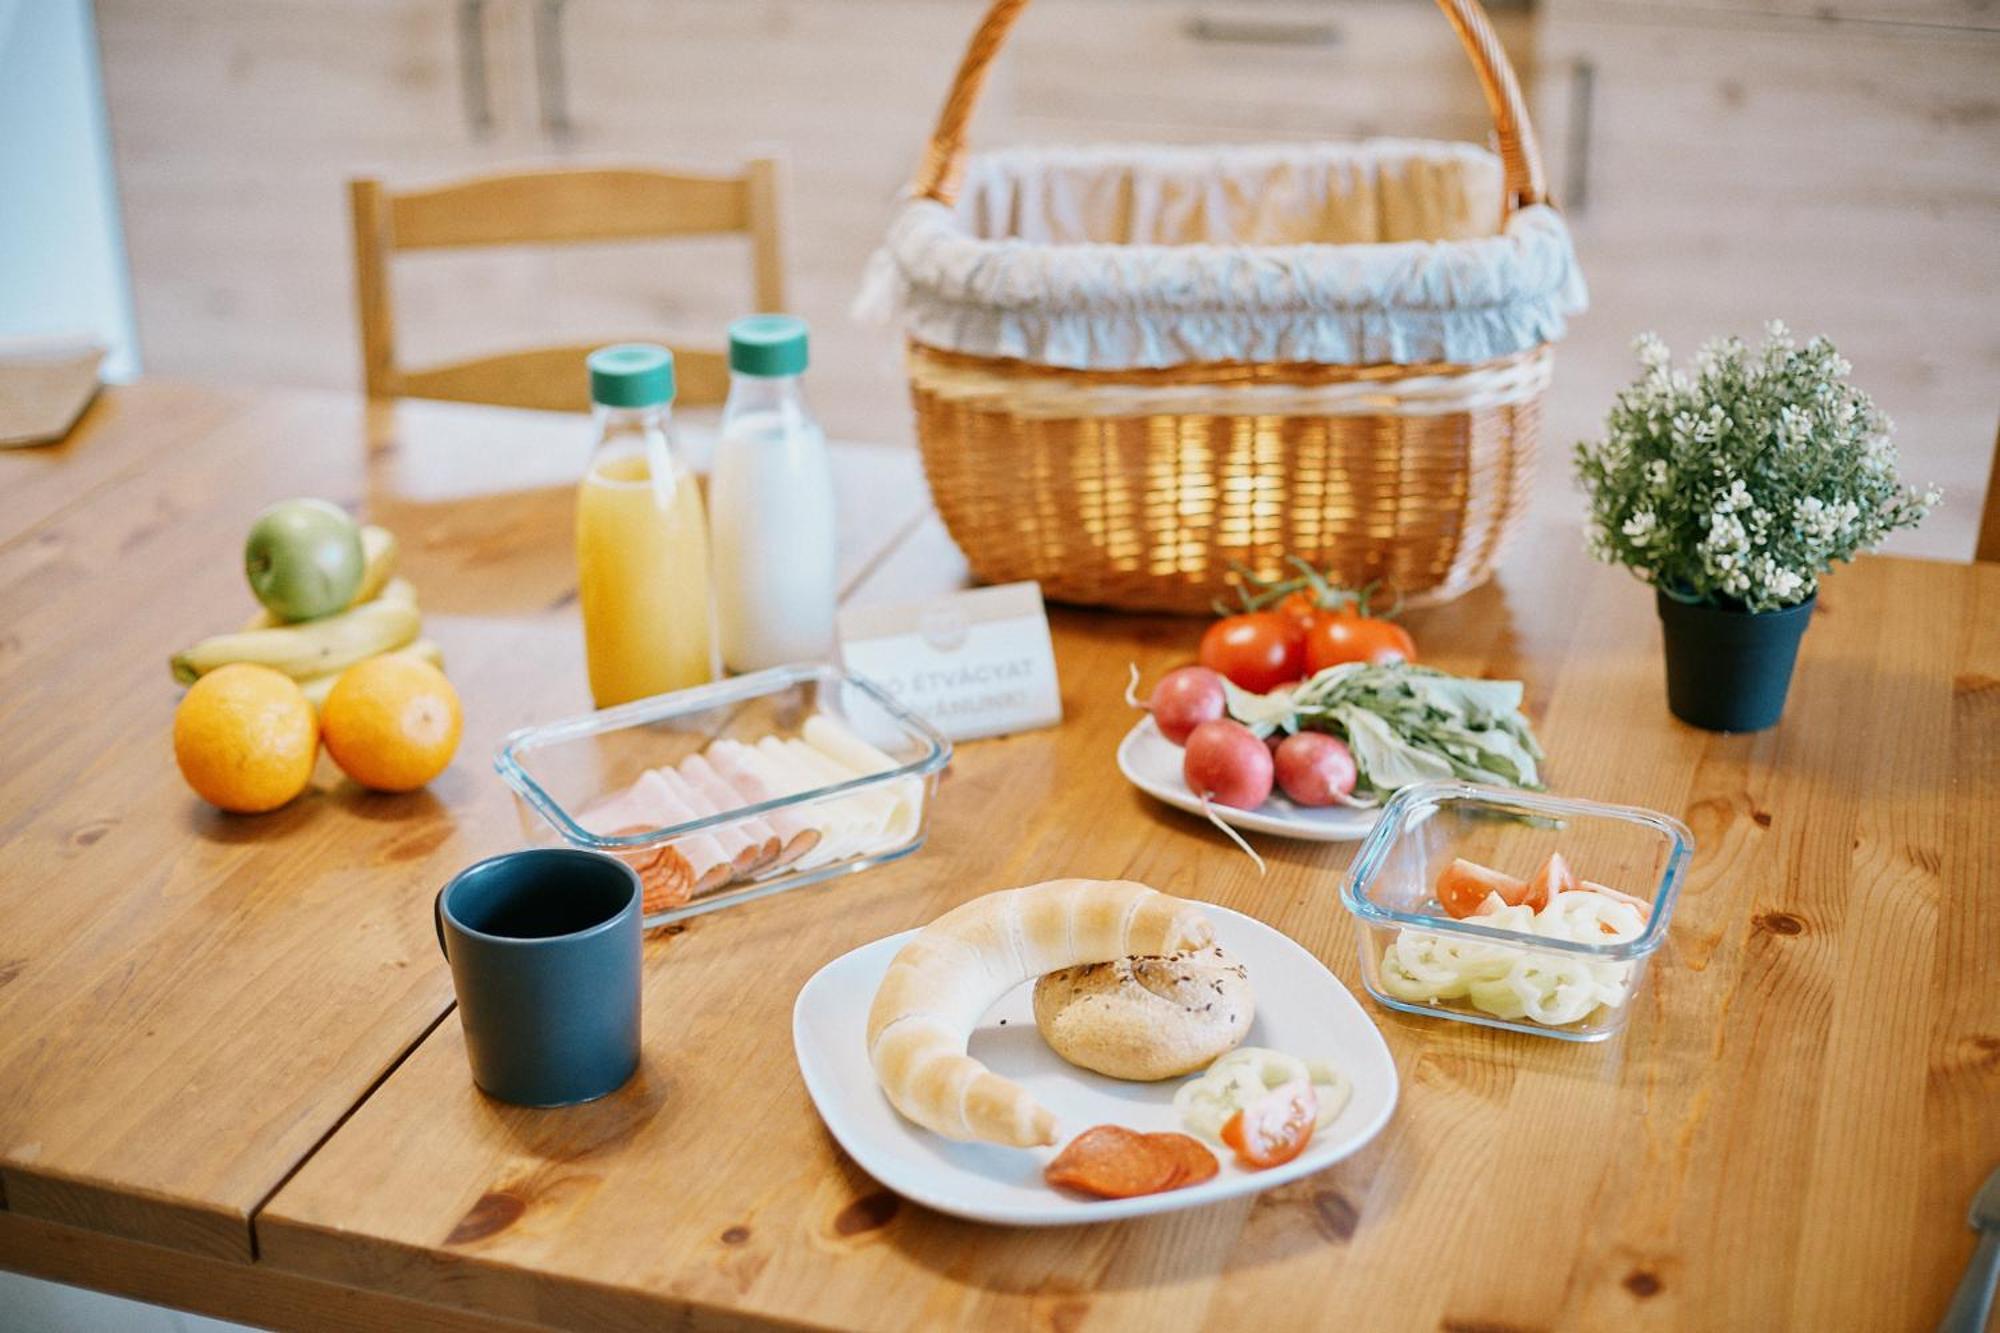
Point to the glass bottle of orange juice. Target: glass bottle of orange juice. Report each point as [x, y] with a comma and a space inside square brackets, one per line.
[641, 537]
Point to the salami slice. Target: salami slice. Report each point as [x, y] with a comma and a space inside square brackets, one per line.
[1193, 1161]
[1113, 1162]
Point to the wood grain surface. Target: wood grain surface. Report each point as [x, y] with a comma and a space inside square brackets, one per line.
[220, 1034]
[1786, 1136]
[190, 1001]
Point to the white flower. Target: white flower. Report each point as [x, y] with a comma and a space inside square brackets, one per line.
[1746, 480]
[1795, 427]
[1652, 353]
[1726, 533]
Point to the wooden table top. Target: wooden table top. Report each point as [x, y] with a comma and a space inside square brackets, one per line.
[190, 1001]
[1787, 1134]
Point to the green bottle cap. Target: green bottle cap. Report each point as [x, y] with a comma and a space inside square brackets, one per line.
[768, 345]
[631, 375]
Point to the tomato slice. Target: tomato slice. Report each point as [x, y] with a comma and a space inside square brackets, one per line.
[1463, 885]
[1644, 908]
[1554, 877]
[1276, 1127]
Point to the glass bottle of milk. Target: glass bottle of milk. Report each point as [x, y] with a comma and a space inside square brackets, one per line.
[771, 505]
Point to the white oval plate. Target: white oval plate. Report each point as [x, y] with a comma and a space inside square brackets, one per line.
[1152, 763]
[1301, 1008]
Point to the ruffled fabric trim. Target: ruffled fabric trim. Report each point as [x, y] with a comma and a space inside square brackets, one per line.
[999, 275]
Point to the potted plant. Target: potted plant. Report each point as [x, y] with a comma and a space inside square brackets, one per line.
[1731, 488]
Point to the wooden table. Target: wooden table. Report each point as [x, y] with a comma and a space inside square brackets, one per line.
[223, 1036]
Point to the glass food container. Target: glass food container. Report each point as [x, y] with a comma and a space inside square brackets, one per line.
[734, 790]
[1417, 958]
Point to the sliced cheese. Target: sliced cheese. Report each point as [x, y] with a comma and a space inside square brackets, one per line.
[758, 769]
[852, 823]
[835, 739]
[877, 806]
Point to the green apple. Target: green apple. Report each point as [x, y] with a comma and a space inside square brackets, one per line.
[304, 559]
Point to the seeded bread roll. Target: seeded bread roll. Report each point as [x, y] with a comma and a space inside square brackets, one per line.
[952, 971]
[1147, 1018]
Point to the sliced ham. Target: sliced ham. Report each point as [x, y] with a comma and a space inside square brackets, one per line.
[666, 880]
[778, 849]
[753, 774]
[745, 854]
[711, 865]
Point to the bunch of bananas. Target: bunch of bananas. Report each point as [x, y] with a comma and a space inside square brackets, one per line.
[381, 618]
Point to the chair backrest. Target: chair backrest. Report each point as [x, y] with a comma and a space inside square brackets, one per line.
[553, 208]
[1988, 545]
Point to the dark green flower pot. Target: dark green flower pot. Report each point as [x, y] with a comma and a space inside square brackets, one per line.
[1730, 670]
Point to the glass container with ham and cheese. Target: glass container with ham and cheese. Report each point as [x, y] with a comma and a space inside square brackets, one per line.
[734, 790]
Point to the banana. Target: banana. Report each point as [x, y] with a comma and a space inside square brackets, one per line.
[378, 546]
[312, 647]
[318, 687]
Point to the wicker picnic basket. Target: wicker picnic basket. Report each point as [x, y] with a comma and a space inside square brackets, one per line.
[1136, 369]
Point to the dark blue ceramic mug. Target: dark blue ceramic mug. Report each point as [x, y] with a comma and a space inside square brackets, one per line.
[544, 953]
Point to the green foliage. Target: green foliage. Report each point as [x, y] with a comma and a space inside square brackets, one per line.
[1405, 724]
[1740, 484]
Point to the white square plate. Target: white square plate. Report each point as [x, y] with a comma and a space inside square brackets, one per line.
[1152, 763]
[1302, 1009]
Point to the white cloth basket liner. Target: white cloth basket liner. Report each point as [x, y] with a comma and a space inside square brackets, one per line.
[1119, 258]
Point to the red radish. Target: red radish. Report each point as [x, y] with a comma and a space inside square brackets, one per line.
[1227, 763]
[1184, 699]
[1315, 768]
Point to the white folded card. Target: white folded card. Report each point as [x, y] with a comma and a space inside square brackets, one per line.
[975, 663]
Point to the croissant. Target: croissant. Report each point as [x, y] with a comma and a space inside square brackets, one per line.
[941, 982]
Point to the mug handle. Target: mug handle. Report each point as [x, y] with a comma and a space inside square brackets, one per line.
[437, 917]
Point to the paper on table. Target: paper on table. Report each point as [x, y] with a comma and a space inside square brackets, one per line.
[975, 663]
[45, 383]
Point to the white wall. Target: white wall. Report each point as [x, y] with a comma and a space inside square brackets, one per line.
[62, 258]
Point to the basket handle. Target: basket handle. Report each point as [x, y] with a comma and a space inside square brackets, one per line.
[1520, 159]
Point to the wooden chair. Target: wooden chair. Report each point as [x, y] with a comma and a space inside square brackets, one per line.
[552, 208]
[1988, 545]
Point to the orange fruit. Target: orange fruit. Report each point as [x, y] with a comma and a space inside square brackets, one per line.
[245, 738]
[391, 722]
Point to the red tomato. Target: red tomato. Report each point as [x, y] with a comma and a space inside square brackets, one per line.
[1350, 638]
[1302, 608]
[1554, 877]
[1464, 885]
[1276, 1127]
[1259, 650]
[1645, 909]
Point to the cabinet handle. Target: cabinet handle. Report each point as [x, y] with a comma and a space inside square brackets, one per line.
[472, 80]
[1582, 107]
[1262, 32]
[551, 74]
